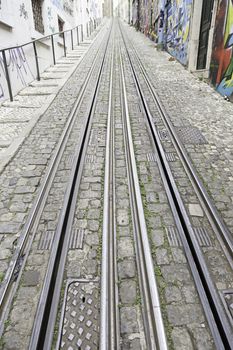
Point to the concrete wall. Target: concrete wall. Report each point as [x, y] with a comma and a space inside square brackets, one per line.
[17, 27]
[221, 68]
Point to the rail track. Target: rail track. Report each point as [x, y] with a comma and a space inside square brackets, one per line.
[13, 275]
[216, 314]
[48, 313]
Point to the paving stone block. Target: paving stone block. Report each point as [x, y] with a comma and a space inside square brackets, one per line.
[128, 319]
[181, 339]
[128, 292]
[126, 269]
[179, 315]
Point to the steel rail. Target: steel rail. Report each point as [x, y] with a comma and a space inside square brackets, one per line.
[153, 321]
[224, 235]
[109, 313]
[14, 271]
[44, 322]
[219, 323]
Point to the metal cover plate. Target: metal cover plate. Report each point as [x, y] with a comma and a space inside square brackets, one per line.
[227, 298]
[79, 326]
[163, 135]
[191, 135]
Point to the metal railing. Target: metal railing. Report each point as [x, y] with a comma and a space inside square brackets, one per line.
[76, 31]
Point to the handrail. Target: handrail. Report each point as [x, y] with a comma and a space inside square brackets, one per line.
[51, 37]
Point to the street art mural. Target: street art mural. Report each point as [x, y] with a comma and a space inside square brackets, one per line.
[178, 14]
[221, 69]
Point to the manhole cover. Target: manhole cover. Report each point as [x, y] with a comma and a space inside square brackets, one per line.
[79, 327]
[191, 135]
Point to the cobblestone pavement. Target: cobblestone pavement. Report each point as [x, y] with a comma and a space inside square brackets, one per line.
[17, 118]
[190, 104]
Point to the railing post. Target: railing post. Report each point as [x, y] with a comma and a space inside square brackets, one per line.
[64, 43]
[82, 31]
[37, 63]
[7, 75]
[77, 36]
[72, 40]
[54, 58]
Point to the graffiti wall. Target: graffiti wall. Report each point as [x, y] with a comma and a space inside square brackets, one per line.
[178, 14]
[221, 69]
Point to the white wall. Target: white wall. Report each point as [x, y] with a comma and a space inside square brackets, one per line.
[17, 27]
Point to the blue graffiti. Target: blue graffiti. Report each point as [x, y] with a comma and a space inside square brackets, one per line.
[178, 21]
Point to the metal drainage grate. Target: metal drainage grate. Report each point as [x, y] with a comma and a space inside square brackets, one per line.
[200, 233]
[46, 240]
[173, 236]
[171, 157]
[202, 236]
[79, 326]
[90, 158]
[151, 157]
[191, 135]
[76, 239]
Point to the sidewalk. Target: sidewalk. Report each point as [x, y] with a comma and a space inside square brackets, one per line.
[18, 118]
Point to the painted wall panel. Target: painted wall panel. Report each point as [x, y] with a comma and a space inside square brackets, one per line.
[221, 69]
[178, 16]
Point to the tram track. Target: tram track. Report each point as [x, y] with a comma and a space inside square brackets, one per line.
[216, 314]
[13, 275]
[153, 322]
[109, 313]
[108, 320]
[44, 323]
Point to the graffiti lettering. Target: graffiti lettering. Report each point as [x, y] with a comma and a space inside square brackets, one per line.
[67, 8]
[17, 64]
[50, 20]
[22, 11]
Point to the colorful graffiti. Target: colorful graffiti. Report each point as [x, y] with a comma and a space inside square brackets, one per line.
[221, 69]
[178, 13]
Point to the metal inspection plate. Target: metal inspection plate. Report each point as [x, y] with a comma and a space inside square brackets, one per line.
[79, 325]
[163, 135]
[227, 298]
[191, 135]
